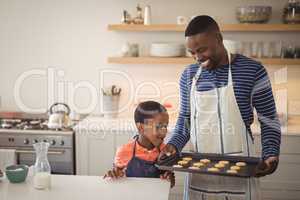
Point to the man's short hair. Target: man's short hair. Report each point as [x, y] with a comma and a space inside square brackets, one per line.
[201, 24]
[147, 110]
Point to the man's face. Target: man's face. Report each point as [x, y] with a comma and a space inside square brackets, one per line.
[206, 48]
[155, 129]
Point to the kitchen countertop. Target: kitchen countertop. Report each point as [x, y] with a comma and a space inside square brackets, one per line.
[98, 123]
[69, 187]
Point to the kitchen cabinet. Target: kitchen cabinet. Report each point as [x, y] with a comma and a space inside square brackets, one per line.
[285, 182]
[95, 151]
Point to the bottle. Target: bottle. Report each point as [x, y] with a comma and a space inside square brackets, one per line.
[147, 15]
[42, 169]
[291, 12]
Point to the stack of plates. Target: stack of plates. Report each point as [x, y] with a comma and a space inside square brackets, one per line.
[167, 50]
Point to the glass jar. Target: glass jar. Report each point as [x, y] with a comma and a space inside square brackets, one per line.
[291, 12]
[42, 169]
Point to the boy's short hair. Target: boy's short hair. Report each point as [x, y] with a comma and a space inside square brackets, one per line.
[147, 110]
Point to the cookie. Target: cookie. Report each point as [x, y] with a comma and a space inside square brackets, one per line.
[219, 165]
[183, 163]
[198, 164]
[241, 164]
[231, 171]
[235, 168]
[205, 161]
[224, 162]
[212, 169]
[187, 158]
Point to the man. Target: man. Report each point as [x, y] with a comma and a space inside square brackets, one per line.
[217, 99]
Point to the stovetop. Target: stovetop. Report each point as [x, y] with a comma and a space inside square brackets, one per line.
[25, 121]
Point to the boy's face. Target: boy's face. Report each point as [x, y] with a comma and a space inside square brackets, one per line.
[155, 129]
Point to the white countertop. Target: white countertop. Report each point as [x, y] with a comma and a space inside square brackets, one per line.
[67, 187]
[96, 123]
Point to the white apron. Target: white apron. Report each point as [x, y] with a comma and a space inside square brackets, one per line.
[217, 127]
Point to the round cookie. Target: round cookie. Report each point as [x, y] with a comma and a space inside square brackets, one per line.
[224, 162]
[231, 171]
[198, 164]
[183, 163]
[212, 169]
[205, 161]
[235, 168]
[219, 165]
[187, 158]
[241, 164]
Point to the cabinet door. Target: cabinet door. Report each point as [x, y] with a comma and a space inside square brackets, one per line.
[122, 138]
[100, 153]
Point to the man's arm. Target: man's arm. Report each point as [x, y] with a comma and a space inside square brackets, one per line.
[263, 101]
[181, 134]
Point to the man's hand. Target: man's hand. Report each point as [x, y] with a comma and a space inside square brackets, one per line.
[1, 174]
[267, 167]
[115, 173]
[168, 150]
[170, 176]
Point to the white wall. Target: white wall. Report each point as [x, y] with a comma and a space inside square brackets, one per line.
[71, 36]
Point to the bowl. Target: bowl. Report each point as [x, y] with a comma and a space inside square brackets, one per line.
[253, 14]
[16, 173]
[167, 50]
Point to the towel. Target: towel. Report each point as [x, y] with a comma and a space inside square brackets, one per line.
[7, 157]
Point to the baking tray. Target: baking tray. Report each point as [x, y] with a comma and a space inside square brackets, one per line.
[247, 171]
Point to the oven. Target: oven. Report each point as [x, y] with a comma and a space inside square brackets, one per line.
[61, 153]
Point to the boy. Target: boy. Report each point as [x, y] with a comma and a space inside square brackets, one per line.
[137, 158]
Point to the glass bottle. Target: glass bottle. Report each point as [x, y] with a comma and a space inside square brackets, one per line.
[42, 169]
[291, 12]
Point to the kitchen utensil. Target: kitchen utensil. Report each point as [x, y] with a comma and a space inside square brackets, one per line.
[249, 170]
[253, 14]
[291, 12]
[126, 18]
[147, 15]
[115, 90]
[16, 173]
[59, 118]
[167, 50]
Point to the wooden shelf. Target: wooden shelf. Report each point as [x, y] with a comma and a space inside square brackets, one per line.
[187, 60]
[224, 27]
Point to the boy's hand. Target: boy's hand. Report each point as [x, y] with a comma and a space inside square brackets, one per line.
[170, 176]
[115, 173]
[167, 151]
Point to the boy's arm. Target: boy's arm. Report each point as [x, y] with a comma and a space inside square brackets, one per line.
[122, 157]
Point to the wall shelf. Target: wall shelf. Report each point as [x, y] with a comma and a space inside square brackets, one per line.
[188, 60]
[224, 27]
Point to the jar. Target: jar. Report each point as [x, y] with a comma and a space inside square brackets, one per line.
[291, 12]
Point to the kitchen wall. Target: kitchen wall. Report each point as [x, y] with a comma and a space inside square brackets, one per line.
[57, 51]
